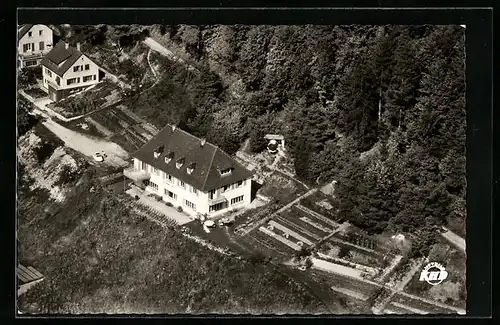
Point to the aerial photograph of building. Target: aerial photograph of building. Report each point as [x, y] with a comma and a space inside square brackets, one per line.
[241, 169]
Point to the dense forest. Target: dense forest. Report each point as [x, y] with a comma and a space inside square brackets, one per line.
[380, 109]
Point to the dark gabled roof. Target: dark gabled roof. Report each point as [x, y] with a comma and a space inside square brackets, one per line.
[60, 54]
[209, 159]
[23, 30]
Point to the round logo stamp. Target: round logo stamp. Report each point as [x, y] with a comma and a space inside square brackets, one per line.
[433, 273]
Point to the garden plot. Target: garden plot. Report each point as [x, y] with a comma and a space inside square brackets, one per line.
[268, 244]
[322, 204]
[342, 282]
[400, 309]
[412, 302]
[281, 187]
[280, 237]
[297, 228]
[308, 222]
[289, 232]
[314, 219]
[361, 242]
[350, 293]
[355, 249]
[114, 123]
[372, 263]
[86, 101]
[317, 215]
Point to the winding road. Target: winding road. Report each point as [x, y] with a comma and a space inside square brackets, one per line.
[116, 155]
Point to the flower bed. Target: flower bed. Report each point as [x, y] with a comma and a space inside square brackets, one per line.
[86, 101]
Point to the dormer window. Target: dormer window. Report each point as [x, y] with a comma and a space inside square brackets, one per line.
[226, 171]
[191, 168]
[158, 151]
[180, 162]
[169, 157]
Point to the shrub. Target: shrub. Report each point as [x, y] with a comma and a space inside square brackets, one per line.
[27, 77]
[257, 258]
[169, 204]
[307, 202]
[304, 251]
[25, 121]
[136, 197]
[66, 176]
[309, 263]
[179, 208]
[45, 151]
[343, 252]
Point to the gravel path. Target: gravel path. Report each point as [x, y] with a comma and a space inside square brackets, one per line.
[116, 155]
[155, 46]
[455, 239]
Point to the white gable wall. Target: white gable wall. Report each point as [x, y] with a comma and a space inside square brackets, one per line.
[70, 73]
[35, 40]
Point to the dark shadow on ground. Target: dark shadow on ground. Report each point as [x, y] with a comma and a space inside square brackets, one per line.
[255, 187]
[102, 74]
[119, 187]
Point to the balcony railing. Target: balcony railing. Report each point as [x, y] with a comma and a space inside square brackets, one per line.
[217, 200]
[31, 55]
[136, 175]
[53, 84]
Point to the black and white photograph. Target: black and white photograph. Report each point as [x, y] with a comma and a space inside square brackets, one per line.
[237, 169]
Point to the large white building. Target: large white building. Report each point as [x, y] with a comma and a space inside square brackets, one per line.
[191, 173]
[33, 42]
[66, 70]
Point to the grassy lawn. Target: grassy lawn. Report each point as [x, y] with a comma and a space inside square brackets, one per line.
[99, 257]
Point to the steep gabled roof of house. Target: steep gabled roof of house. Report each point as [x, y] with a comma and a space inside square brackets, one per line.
[60, 58]
[209, 159]
[23, 30]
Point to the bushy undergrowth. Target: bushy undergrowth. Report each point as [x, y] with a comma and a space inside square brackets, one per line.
[98, 256]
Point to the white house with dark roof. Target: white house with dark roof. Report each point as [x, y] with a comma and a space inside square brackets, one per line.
[66, 70]
[191, 173]
[33, 42]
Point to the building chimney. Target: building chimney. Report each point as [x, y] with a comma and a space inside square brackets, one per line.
[173, 128]
[78, 46]
[202, 142]
[66, 45]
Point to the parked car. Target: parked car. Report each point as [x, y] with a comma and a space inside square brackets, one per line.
[225, 222]
[98, 156]
[209, 224]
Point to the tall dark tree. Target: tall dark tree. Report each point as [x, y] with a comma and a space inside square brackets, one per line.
[359, 105]
[302, 153]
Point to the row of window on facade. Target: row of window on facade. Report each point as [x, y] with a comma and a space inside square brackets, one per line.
[172, 195]
[40, 33]
[72, 80]
[77, 68]
[189, 204]
[30, 63]
[169, 178]
[31, 47]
